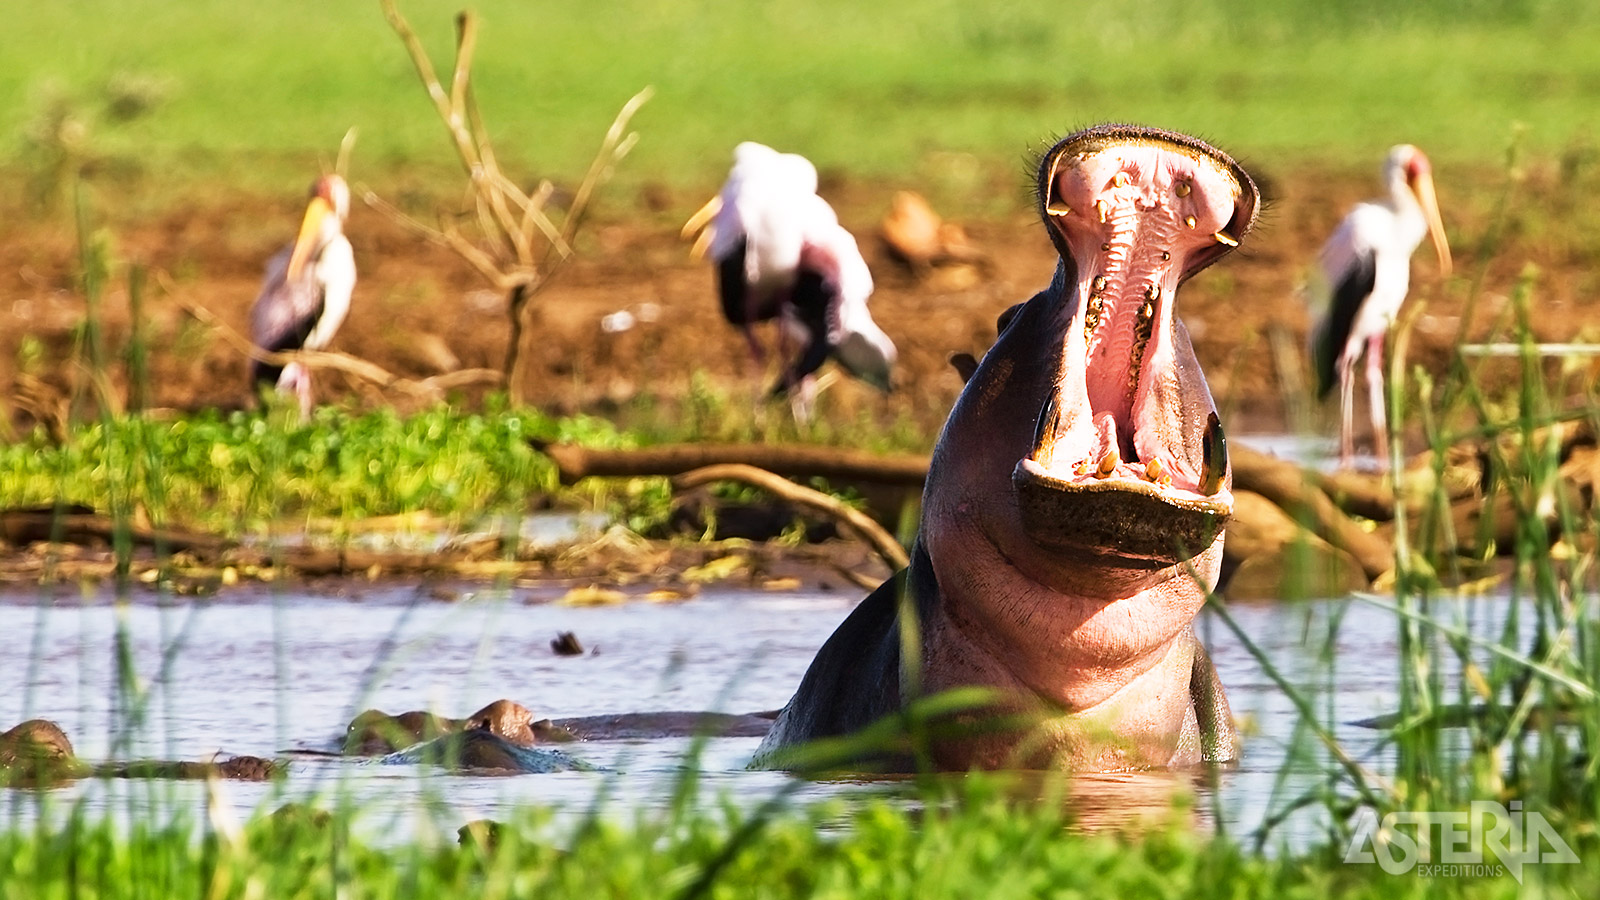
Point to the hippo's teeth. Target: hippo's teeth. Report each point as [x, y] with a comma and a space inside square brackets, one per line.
[1057, 208]
[1214, 447]
[1108, 463]
[1152, 470]
[1223, 237]
[1182, 190]
[1045, 430]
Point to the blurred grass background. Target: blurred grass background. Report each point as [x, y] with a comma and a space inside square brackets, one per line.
[207, 93]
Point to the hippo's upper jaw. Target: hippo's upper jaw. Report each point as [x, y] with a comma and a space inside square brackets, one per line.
[1128, 458]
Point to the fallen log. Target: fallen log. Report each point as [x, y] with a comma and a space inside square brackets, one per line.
[882, 543]
[77, 526]
[1284, 483]
[791, 460]
[1289, 486]
[1269, 555]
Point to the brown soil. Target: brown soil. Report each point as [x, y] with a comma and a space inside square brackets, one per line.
[420, 311]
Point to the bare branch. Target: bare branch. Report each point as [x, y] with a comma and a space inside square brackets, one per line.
[466, 43]
[430, 82]
[533, 217]
[881, 542]
[394, 214]
[503, 223]
[341, 362]
[604, 161]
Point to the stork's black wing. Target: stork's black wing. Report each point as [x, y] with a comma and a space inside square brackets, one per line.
[1348, 297]
[813, 303]
[283, 315]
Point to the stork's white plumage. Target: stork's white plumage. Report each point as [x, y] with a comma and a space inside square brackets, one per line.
[306, 293]
[781, 254]
[1366, 271]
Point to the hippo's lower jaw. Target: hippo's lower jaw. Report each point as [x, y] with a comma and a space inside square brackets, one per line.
[1139, 523]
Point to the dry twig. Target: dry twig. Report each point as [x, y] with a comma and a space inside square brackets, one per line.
[507, 235]
[427, 388]
[881, 542]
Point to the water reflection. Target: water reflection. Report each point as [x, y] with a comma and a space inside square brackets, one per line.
[263, 673]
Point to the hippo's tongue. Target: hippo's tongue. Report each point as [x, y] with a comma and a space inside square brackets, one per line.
[1129, 458]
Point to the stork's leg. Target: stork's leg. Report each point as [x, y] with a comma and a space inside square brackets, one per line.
[803, 398]
[296, 379]
[304, 390]
[1346, 413]
[758, 353]
[1380, 426]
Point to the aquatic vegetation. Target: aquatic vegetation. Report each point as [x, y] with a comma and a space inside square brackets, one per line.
[239, 472]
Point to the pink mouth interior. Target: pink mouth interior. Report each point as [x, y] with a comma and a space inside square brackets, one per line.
[1133, 216]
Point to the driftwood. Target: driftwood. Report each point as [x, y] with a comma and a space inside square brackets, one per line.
[433, 388]
[883, 543]
[1287, 485]
[79, 526]
[1294, 489]
[791, 460]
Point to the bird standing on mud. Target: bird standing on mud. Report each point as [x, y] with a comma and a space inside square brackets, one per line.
[306, 293]
[782, 255]
[1366, 267]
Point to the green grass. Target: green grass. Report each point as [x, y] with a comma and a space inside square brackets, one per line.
[252, 96]
[973, 842]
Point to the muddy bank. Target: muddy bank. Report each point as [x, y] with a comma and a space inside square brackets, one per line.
[419, 311]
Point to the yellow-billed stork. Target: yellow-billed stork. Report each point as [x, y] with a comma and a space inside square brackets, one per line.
[1366, 270]
[306, 292]
[782, 255]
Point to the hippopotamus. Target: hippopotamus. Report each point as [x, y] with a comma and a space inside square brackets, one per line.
[39, 753]
[376, 733]
[504, 737]
[1073, 514]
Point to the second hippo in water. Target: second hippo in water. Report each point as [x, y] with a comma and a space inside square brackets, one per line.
[38, 753]
[1073, 513]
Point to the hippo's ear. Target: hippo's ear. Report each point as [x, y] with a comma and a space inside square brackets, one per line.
[965, 365]
[1004, 319]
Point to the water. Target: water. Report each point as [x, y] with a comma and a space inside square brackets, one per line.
[264, 673]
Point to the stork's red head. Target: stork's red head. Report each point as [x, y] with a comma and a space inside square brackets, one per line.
[1414, 167]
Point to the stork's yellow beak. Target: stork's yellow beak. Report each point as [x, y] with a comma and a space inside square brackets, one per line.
[317, 210]
[700, 223]
[1422, 186]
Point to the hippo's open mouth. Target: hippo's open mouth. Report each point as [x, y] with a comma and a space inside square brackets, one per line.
[1128, 458]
